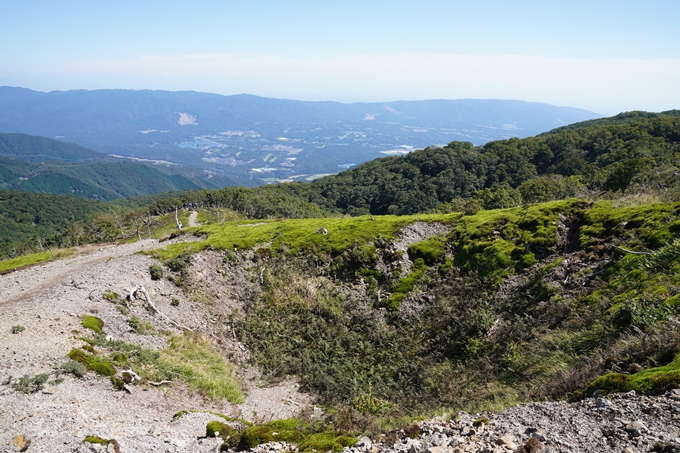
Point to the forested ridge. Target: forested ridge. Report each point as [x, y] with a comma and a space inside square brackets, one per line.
[36, 149]
[612, 154]
[634, 151]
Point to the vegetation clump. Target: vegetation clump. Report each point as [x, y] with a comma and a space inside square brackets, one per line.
[93, 362]
[141, 327]
[92, 322]
[30, 384]
[75, 368]
[308, 437]
[156, 272]
[655, 380]
[18, 329]
[191, 358]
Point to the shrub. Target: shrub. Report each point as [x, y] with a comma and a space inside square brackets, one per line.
[174, 302]
[156, 272]
[141, 327]
[180, 262]
[18, 329]
[29, 384]
[110, 295]
[75, 368]
[216, 428]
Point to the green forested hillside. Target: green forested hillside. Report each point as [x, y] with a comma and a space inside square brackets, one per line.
[601, 155]
[636, 152]
[100, 180]
[27, 219]
[37, 149]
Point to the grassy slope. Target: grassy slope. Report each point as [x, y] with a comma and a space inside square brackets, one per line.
[511, 305]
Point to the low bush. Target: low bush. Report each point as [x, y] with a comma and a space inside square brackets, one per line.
[28, 384]
[156, 272]
[75, 368]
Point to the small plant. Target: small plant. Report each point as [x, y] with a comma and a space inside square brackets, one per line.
[156, 272]
[174, 302]
[29, 384]
[217, 429]
[103, 442]
[179, 414]
[75, 368]
[141, 327]
[480, 421]
[111, 296]
[229, 257]
[413, 431]
[92, 322]
[18, 329]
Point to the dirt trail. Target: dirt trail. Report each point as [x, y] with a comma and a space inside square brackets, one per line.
[49, 299]
[192, 219]
[26, 283]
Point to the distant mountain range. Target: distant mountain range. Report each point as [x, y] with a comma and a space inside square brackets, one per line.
[262, 139]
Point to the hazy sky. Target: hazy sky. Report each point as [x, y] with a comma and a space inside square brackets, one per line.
[601, 55]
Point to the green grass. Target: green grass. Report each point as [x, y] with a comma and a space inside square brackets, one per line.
[430, 250]
[300, 236]
[202, 367]
[652, 225]
[307, 437]
[193, 359]
[405, 285]
[35, 258]
[499, 242]
[93, 362]
[97, 440]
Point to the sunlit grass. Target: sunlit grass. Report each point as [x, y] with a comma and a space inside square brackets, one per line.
[35, 258]
[202, 367]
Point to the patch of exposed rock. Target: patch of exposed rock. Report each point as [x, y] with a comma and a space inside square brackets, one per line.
[620, 423]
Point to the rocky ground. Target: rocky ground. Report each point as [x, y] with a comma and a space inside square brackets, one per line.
[620, 423]
[48, 301]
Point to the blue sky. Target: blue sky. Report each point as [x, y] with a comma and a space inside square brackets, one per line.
[606, 56]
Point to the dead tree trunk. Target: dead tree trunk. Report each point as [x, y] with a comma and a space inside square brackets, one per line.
[179, 224]
[134, 290]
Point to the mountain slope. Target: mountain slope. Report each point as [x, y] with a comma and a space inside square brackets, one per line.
[39, 164]
[38, 149]
[95, 180]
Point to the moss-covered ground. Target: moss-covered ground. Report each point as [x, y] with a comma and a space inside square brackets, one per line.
[309, 437]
